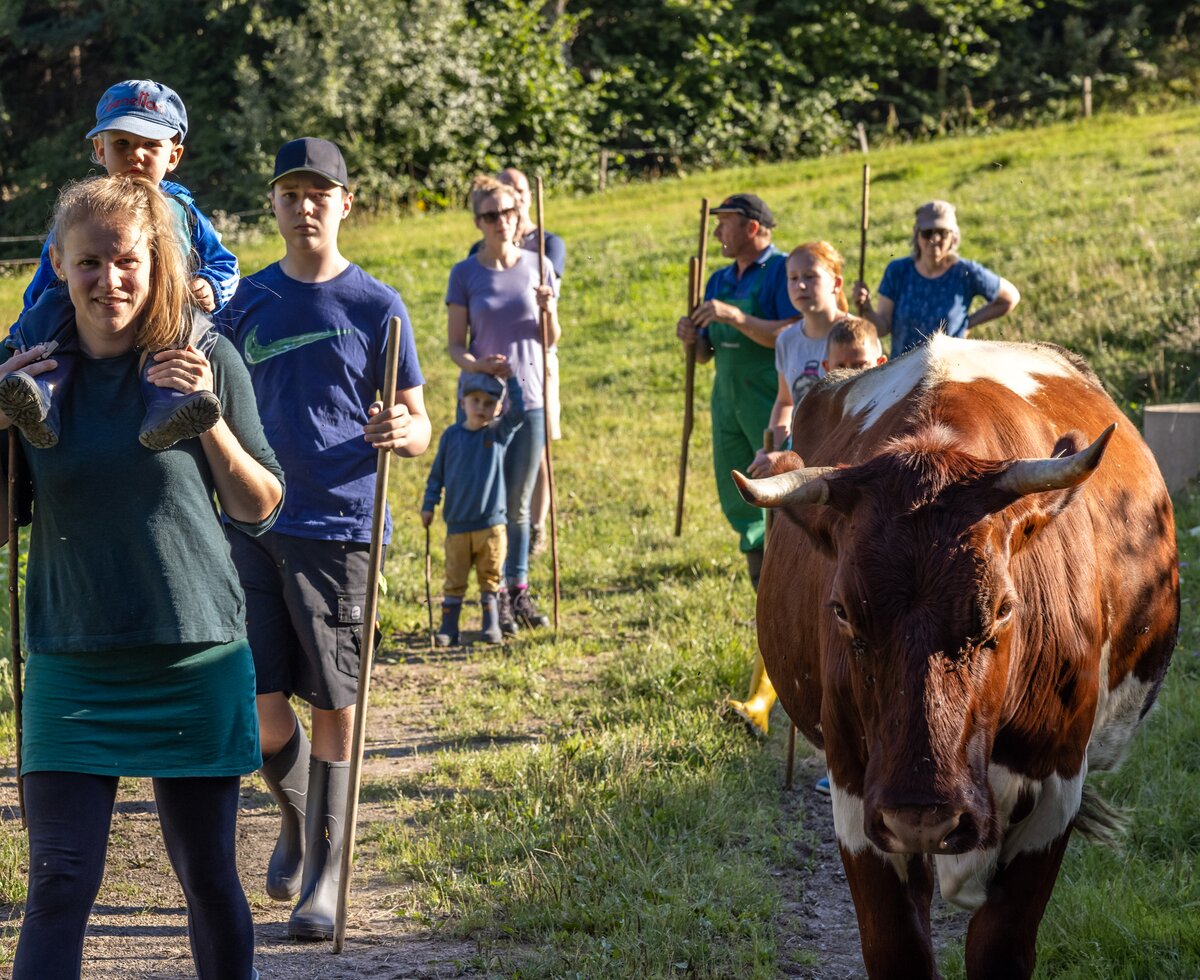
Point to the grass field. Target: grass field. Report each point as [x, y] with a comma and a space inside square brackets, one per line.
[622, 828]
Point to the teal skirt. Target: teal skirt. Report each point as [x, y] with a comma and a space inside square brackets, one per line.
[175, 710]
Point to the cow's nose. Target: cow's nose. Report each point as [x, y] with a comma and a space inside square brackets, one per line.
[922, 830]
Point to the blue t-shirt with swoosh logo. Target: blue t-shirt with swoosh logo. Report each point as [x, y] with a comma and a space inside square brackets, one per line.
[317, 354]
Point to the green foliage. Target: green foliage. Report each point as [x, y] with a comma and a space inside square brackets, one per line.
[422, 94]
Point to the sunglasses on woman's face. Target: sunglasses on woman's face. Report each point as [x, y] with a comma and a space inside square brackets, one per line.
[491, 217]
[929, 234]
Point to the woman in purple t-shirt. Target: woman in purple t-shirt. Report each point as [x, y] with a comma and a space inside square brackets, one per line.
[932, 289]
[494, 301]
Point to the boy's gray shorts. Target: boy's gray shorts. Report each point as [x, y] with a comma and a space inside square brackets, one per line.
[305, 605]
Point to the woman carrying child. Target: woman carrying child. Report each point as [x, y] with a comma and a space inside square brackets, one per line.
[495, 300]
[137, 659]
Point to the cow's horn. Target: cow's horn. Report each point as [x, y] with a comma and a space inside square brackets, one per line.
[803, 486]
[1057, 473]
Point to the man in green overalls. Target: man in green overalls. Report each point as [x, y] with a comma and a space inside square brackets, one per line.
[745, 307]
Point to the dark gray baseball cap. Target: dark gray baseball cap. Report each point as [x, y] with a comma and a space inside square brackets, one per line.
[313, 155]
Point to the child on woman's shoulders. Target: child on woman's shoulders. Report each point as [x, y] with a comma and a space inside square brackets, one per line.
[139, 131]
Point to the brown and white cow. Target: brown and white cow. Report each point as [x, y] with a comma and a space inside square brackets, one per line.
[971, 605]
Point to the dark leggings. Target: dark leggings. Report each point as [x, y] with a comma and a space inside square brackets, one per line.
[69, 815]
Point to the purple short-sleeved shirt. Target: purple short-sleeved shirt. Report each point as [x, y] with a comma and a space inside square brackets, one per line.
[502, 316]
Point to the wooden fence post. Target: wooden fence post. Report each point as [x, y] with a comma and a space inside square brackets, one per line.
[862, 137]
[1087, 96]
[603, 169]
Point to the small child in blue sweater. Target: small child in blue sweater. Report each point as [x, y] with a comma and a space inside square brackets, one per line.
[140, 128]
[470, 465]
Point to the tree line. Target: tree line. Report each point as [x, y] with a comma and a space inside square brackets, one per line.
[421, 94]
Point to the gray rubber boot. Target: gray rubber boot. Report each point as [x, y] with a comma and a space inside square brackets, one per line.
[173, 416]
[30, 401]
[328, 785]
[490, 605]
[447, 634]
[286, 776]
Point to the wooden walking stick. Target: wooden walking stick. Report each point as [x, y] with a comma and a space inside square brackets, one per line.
[14, 601]
[866, 221]
[382, 467]
[545, 321]
[428, 589]
[695, 297]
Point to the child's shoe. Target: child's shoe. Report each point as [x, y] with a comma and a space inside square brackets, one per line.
[447, 634]
[172, 416]
[30, 401]
[30, 404]
[489, 602]
[508, 625]
[525, 612]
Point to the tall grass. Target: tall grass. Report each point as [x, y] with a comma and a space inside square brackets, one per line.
[595, 816]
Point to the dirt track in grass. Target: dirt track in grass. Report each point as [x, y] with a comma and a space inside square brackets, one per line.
[138, 927]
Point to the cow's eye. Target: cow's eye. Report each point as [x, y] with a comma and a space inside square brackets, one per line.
[1004, 612]
[839, 611]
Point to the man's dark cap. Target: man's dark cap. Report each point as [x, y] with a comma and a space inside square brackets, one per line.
[748, 206]
[313, 155]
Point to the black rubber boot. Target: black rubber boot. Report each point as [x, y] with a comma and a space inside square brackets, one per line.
[489, 603]
[172, 416]
[328, 786]
[754, 563]
[447, 634]
[508, 625]
[524, 610]
[286, 776]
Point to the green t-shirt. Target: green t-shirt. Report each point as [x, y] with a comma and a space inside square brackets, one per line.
[126, 547]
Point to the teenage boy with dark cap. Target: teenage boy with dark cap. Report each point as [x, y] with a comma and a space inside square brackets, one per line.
[313, 329]
[745, 307]
[470, 466]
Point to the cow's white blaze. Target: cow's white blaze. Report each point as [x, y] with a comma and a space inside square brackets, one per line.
[1020, 368]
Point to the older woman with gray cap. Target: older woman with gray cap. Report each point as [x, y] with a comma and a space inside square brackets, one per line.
[932, 289]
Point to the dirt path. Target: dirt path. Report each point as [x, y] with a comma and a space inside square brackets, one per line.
[138, 927]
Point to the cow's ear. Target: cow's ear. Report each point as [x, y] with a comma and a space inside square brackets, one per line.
[819, 525]
[1034, 512]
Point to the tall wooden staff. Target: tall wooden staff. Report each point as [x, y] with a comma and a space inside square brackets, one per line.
[429, 588]
[382, 467]
[695, 295]
[14, 601]
[545, 321]
[862, 241]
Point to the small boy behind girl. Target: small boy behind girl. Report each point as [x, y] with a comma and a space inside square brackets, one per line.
[470, 466]
[853, 345]
[139, 131]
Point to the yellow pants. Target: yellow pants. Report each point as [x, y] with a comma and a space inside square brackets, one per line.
[484, 550]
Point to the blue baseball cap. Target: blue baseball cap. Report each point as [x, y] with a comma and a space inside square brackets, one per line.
[141, 107]
[478, 381]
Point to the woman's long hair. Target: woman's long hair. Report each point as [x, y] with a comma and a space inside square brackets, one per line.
[831, 259]
[126, 201]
